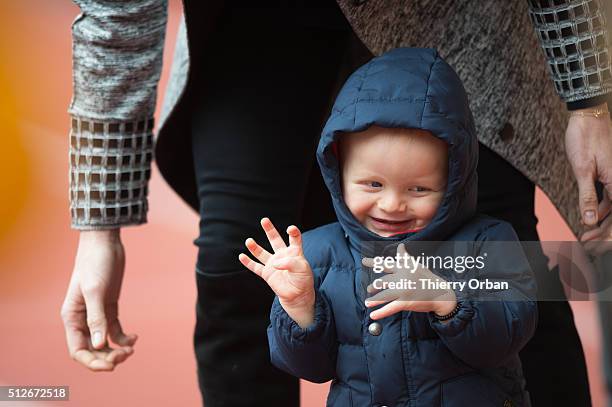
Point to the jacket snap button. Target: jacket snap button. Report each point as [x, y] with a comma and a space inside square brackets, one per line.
[375, 328]
[507, 133]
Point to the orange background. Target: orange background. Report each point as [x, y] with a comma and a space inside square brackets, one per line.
[37, 246]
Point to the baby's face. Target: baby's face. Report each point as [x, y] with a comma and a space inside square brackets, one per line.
[393, 180]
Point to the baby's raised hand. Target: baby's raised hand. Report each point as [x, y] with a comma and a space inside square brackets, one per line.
[411, 298]
[287, 271]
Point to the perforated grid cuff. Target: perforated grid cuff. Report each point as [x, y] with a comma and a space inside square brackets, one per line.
[110, 166]
[574, 38]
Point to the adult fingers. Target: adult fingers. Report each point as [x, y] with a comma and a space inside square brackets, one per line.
[599, 241]
[119, 355]
[295, 237]
[587, 199]
[250, 264]
[604, 207]
[77, 340]
[390, 309]
[275, 239]
[118, 336]
[96, 316]
[603, 247]
[598, 247]
[598, 232]
[256, 250]
[590, 235]
[87, 358]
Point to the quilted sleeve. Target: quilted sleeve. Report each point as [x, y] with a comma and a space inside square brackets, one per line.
[117, 51]
[575, 39]
[490, 328]
[309, 353]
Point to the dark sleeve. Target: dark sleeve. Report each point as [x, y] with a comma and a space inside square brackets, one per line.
[576, 42]
[308, 353]
[488, 330]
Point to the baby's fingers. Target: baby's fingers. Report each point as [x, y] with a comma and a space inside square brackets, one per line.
[384, 296]
[368, 262]
[256, 250]
[276, 241]
[370, 303]
[371, 262]
[390, 309]
[250, 264]
[401, 250]
[295, 237]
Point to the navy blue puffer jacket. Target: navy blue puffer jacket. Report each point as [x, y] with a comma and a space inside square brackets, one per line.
[415, 360]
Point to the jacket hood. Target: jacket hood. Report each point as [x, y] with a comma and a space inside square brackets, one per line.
[407, 88]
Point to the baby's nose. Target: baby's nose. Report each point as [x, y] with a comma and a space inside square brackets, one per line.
[392, 202]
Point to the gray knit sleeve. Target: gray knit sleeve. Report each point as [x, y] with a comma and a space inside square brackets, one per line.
[574, 37]
[117, 49]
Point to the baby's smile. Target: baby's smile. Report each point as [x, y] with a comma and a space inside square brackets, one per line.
[392, 226]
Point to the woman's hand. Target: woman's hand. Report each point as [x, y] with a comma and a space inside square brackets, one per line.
[441, 301]
[598, 240]
[588, 144]
[287, 271]
[90, 310]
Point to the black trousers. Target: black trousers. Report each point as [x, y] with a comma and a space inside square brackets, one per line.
[259, 104]
[553, 360]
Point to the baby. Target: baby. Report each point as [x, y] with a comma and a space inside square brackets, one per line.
[399, 155]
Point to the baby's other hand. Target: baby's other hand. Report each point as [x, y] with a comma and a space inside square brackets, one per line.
[287, 271]
[411, 297]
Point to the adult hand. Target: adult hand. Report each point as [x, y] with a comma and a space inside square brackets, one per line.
[588, 144]
[90, 309]
[598, 240]
[287, 271]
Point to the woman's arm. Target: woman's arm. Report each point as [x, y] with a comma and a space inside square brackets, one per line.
[575, 40]
[117, 60]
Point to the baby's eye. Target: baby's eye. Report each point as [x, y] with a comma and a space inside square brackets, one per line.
[420, 189]
[374, 184]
